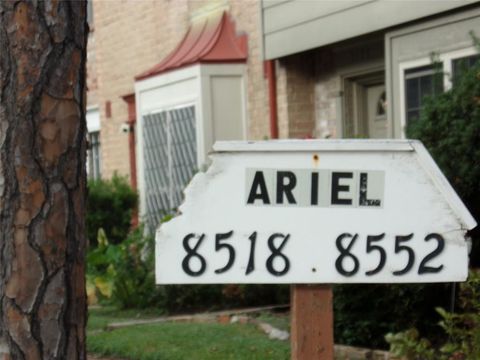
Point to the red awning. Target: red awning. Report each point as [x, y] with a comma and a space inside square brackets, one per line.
[212, 40]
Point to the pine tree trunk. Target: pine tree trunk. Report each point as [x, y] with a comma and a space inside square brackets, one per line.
[42, 179]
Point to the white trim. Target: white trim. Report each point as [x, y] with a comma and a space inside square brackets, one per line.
[442, 184]
[173, 106]
[93, 107]
[167, 78]
[445, 59]
[314, 145]
[402, 67]
[92, 117]
[453, 55]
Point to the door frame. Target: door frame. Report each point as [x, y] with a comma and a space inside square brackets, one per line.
[354, 89]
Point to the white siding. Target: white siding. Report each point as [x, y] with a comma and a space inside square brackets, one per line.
[227, 110]
[298, 25]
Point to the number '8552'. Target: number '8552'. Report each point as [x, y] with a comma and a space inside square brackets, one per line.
[346, 241]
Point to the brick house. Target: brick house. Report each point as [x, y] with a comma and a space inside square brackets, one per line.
[321, 69]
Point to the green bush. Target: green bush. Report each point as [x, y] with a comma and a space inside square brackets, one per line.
[110, 205]
[123, 274]
[449, 127]
[462, 331]
[181, 298]
[365, 313]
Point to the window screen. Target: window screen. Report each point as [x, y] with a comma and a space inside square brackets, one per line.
[93, 155]
[420, 82]
[459, 66]
[170, 160]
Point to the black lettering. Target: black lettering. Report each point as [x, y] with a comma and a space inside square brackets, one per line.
[286, 188]
[337, 188]
[363, 201]
[192, 253]
[251, 258]
[277, 252]
[424, 269]
[314, 193]
[399, 239]
[231, 251]
[345, 253]
[259, 189]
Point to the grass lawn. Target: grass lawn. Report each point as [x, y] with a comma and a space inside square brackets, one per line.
[179, 341]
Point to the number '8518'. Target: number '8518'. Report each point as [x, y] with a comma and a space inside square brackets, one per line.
[346, 241]
[221, 243]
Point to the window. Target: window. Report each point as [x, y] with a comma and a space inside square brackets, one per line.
[460, 65]
[93, 155]
[93, 143]
[420, 82]
[170, 160]
[421, 78]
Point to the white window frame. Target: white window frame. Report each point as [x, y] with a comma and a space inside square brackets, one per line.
[446, 60]
[178, 88]
[94, 126]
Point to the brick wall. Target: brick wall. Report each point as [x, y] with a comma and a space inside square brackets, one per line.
[327, 95]
[132, 36]
[247, 16]
[296, 96]
[348, 60]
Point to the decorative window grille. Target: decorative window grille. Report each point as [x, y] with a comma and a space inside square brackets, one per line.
[93, 155]
[170, 160]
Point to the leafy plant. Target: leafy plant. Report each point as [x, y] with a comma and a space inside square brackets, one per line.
[449, 126]
[100, 269]
[123, 273]
[365, 313]
[110, 205]
[462, 330]
[409, 345]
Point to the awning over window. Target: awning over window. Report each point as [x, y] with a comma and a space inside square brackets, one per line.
[210, 40]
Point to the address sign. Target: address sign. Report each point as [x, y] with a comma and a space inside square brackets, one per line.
[313, 211]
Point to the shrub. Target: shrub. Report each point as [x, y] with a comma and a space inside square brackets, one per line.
[449, 126]
[462, 331]
[123, 274]
[110, 205]
[180, 298]
[365, 313]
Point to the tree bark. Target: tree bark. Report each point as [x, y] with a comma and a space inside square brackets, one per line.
[42, 179]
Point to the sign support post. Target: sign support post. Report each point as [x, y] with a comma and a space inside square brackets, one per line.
[311, 322]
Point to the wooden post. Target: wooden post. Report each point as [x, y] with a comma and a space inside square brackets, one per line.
[312, 322]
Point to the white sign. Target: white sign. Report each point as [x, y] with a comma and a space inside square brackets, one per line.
[316, 211]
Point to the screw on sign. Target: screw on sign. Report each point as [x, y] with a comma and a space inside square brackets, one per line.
[316, 212]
